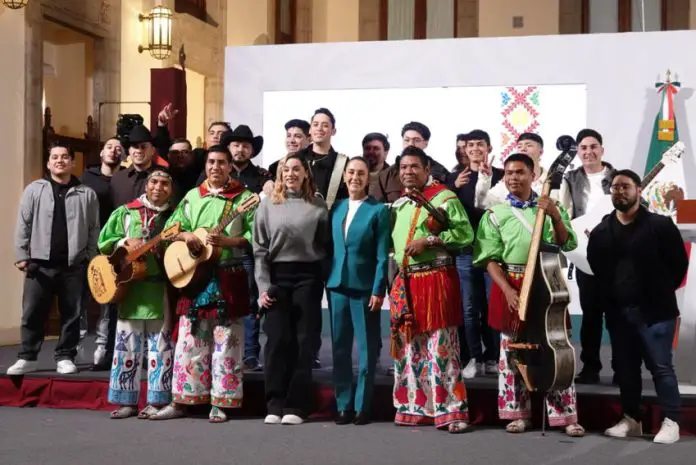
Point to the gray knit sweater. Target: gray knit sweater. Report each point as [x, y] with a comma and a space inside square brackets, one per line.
[292, 231]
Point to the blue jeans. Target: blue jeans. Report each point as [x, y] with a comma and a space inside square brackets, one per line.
[636, 342]
[475, 285]
[252, 325]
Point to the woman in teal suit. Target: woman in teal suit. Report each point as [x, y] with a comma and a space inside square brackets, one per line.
[360, 228]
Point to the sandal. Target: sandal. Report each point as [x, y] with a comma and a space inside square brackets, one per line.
[217, 415]
[458, 427]
[575, 431]
[125, 411]
[518, 426]
[169, 412]
[147, 412]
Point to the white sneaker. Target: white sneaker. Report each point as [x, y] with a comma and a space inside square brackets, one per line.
[480, 369]
[99, 355]
[491, 367]
[627, 427]
[669, 432]
[66, 367]
[21, 367]
[272, 420]
[470, 370]
[291, 420]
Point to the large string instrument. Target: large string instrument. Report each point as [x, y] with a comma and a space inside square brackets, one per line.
[540, 346]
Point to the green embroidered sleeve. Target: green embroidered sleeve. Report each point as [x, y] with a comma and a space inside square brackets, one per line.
[113, 231]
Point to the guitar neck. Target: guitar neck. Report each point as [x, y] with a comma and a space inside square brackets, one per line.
[532, 258]
[224, 223]
[143, 249]
[652, 174]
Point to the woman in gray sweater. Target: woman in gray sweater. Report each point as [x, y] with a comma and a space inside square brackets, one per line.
[291, 242]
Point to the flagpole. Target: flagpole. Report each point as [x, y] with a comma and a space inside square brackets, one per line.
[642, 13]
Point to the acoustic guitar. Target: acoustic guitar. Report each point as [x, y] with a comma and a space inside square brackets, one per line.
[108, 276]
[186, 270]
[541, 348]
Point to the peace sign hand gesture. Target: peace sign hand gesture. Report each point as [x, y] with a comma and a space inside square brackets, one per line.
[486, 165]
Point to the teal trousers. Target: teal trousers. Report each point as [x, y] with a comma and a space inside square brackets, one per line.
[350, 317]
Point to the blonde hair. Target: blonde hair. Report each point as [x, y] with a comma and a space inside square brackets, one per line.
[308, 187]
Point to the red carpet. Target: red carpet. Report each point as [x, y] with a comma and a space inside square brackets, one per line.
[596, 412]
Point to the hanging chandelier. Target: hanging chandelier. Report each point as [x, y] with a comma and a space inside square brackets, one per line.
[15, 4]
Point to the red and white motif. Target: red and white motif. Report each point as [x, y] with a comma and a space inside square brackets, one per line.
[520, 114]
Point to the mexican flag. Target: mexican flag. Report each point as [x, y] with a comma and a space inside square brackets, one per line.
[665, 133]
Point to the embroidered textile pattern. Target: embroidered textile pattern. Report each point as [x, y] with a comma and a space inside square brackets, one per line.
[520, 111]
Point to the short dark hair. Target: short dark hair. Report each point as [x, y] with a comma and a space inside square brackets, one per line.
[300, 124]
[181, 140]
[219, 149]
[412, 151]
[327, 112]
[62, 145]
[357, 158]
[376, 136]
[531, 136]
[629, 174]
[420, 128]
[462, 137]
[521, 157]
[589, 133]
[479, 134]
[220, 123]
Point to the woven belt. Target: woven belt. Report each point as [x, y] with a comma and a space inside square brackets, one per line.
[437, 263]
[514, 268]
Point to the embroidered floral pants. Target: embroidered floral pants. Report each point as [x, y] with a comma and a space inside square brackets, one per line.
[126, 370]
[514, 402]
[428, 384]
[208, 363]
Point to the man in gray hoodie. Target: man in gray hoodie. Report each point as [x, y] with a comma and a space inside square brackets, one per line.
[56, 236]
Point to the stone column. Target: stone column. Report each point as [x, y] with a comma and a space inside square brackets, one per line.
[214, 100]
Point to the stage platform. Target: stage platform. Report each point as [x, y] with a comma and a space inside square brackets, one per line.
[598, 405]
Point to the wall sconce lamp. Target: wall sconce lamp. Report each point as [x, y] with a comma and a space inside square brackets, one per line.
[159, 32]
[15, 4]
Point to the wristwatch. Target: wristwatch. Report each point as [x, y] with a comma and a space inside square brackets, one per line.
[431, 241]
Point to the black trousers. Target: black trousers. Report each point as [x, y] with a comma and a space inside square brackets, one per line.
[41, 285]
[592, 323]
[291, 325]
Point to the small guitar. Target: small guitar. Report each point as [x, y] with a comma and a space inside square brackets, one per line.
[108, 276]
[185, 269]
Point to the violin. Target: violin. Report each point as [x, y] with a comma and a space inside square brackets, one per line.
[437, 220]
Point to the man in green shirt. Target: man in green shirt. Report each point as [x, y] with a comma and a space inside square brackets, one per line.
[208, 361]
[143, 315]
[502, 246]
[426, 301]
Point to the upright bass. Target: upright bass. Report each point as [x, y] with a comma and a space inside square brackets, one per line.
[540, 346]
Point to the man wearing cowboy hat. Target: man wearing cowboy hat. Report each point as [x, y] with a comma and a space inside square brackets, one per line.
[244, 146]
[128, 184]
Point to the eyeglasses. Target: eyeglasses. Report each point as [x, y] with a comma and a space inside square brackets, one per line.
[620, 187]
[177, 153]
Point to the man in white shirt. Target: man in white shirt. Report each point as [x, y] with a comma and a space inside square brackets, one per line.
[486, 196]
[581, 190]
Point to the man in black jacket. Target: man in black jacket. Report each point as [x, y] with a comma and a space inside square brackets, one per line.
[98, 178]
[639, 259]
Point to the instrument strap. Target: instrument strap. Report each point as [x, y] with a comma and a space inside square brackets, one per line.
[226, 210]
[335, 180]
[527, 225]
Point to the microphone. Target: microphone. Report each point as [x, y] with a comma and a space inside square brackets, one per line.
[273, 291]
[565, 143]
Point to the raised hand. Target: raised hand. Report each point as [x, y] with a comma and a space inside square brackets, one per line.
[462, 178]
[167, 114]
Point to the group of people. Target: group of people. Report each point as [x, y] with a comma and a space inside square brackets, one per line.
[449, 248]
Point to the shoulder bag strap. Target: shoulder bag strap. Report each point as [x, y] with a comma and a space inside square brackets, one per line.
[335, 180]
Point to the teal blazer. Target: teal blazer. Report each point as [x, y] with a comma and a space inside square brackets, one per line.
[360, 259]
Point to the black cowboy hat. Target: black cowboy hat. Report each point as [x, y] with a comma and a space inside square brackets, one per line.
[242, 133]
[139, 134]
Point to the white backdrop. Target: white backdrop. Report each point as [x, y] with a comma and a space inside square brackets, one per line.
[617, 70]
[446, 111]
